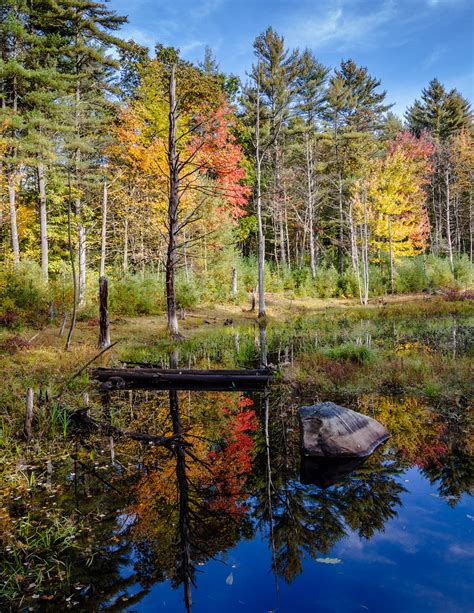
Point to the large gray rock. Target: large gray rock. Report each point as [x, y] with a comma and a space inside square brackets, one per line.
[331, 431]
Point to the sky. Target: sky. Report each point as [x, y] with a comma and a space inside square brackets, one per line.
[405, 43]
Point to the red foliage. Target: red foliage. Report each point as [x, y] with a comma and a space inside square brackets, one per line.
[221, 157]
[232, 464]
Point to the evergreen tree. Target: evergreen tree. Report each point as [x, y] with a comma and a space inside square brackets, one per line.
[90, 74]
[353, 113]
[439, 112]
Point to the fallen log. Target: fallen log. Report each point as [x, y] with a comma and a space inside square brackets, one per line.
[82, 418]
[160, 379]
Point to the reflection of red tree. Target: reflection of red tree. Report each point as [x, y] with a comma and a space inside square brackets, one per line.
[232, 463]
[430, 450]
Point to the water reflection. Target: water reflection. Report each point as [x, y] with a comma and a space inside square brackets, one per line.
[153, 515]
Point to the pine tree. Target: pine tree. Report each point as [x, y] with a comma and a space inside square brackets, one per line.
[439, 112]
[311, 92]
[353, 113]
[89, 72]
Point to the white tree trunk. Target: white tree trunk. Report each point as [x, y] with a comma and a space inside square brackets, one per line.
[43, 221]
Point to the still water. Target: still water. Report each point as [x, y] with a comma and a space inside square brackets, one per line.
[230, 519]
[226, 523]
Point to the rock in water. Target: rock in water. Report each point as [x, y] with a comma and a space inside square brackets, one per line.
[331, 431]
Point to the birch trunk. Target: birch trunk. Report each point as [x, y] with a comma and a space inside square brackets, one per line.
[172, 209]
[448, 219]
[261, 237]
[43, 220]
[310, 188]
[13, 221]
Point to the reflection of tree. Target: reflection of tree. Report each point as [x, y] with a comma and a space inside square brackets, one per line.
[306, 520]
[193, 506]
[454, 473]
[439, 444]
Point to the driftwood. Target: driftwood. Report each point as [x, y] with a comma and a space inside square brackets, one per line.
[82, 418]
[156, 378]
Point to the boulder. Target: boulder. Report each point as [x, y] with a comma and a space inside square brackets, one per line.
[332, 431]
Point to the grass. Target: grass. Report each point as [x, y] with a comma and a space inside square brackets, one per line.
[336, 344]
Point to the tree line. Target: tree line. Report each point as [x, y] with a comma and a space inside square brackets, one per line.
[121, 161]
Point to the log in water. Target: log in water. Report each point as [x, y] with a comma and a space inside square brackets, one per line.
[159, 379]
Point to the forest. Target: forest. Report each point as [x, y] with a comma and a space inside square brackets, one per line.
[187, 186]
[162, 216]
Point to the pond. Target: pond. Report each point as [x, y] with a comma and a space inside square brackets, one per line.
[230, 519]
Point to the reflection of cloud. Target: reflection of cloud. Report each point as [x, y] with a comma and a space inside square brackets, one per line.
[353, 548]
[407, 541]
[461, 551]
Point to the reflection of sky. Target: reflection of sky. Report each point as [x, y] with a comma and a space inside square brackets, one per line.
[422, 561]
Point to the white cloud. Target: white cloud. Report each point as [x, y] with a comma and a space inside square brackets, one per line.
[206, 7]
[340, 26]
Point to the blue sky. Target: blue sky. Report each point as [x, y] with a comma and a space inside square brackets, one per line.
[405, 43]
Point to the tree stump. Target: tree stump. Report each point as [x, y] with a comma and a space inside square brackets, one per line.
[104, 332]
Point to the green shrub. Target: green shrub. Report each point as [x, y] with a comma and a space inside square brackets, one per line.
[187, 291]
[351, 352]
[348, 285]
[438, 272]
[326, 282]
[136, 295]
[410, 276]
[377, 281]
[464, 271]
[23, 295]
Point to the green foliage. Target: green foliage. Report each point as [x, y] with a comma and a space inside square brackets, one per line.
[410, 276]
[136, 295]
[351, 352]
[23, 295]
[438, 272]
[187, 292]
[464, 271]
[326, 282]
[348, 285]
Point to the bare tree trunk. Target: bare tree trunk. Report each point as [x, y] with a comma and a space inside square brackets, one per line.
[13, 222]
[103, 233]
[125, 246]
[43, 220]
[340, 248]
[104, 332]
[73, 272]
[365, 254]
[261, 237]
[390, 251]
[310, 188]
[471, 228]
[29, 414]
[448, 219]
[234, 283]
[287, 238]
[172, 209]
[81, 230]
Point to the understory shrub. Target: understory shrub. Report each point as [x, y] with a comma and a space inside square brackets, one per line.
[326, 282]
[136, 295]
[23, 295]
[410, 276]
[351, 352]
